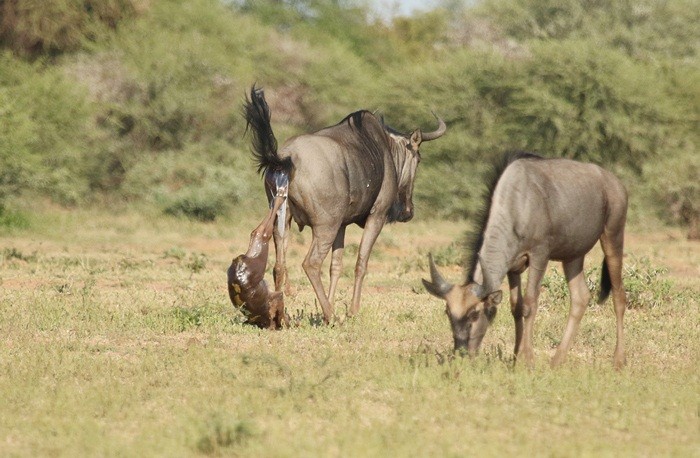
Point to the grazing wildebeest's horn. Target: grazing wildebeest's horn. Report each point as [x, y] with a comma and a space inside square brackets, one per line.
[442, 127]
[438, 286]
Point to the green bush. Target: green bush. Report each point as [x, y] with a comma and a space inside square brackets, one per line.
[11, 219]
[201, 182]
[45, 131]
[646, 285]
[673, 184]
[582, 102]
[26, 29]
[128, 94]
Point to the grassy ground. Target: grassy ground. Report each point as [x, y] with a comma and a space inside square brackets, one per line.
[117, 338]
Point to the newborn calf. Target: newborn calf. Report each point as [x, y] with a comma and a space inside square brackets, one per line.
[246, 283]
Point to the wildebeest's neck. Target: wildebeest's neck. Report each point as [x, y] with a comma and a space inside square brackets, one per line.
[400, 156]
[478, 235]
[499, 248]
[405, 163]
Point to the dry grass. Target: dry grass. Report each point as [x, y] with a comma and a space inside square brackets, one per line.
[118, 339]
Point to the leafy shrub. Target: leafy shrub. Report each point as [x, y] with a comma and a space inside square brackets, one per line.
[639, 29]
[12, 219]
[449, 255]
[187, 317]
[583, 102]
[24, 27]
[220, 435]
[45, 131]
[673, 184]
[200, 183]
[199, 203]
[645, 284]
[613, 83]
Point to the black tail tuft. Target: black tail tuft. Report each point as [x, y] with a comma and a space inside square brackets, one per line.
[257, 115]
[605, 283]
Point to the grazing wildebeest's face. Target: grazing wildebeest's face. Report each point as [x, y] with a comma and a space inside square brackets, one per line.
[469, 316]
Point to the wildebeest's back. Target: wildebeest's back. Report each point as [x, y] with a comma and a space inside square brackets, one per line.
[338, 171]
[557, 202]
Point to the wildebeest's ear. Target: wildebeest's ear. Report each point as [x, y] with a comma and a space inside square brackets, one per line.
[433, 289]
[491, 304]
[493, 299]
[416, 137]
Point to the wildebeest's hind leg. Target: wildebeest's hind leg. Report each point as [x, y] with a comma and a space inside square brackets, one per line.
[321, 242]
[279, 272]
[516, 308]
[580, 295]
[336, 262]
[612, 248]
[373, 226]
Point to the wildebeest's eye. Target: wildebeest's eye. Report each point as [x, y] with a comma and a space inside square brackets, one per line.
[473, 316]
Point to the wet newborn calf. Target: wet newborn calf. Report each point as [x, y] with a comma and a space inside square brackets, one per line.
[246, 284]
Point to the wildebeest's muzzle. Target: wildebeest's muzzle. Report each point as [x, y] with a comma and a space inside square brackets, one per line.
[406, 215]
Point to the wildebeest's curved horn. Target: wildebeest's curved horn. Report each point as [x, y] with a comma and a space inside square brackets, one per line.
[442, 127]
[441, 285]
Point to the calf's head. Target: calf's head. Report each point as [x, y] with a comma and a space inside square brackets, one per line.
[470, 315]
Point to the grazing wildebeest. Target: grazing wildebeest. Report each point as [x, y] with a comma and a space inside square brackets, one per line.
[246, 283]
[358, 171]
[538, 210]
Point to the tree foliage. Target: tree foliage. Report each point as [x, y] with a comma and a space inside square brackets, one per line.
[103, 98]
[39, 27]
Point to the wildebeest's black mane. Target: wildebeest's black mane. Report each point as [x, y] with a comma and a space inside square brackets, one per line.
[366, 133]
[475, 237]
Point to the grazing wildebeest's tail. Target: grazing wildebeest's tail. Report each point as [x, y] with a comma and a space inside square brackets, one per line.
[605, 283]
[257, 115]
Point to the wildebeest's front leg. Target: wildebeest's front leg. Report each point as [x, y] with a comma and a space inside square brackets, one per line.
[321, 242]
[580, 295]
[516, 308]
[373, 227]
[336, 262]
[532, 293]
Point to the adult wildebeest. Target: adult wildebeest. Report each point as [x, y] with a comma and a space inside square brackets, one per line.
[358, 171]
[538, 209]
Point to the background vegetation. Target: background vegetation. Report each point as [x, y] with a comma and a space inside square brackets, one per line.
[126, 187]
[137, 102]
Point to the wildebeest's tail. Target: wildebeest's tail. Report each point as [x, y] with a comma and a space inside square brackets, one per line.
[257, 115]
[605, 283]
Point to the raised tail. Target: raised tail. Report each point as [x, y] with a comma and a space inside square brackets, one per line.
[257, 115]
[605, 283]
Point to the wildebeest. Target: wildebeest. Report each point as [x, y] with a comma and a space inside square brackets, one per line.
[357, 171]
[246, 283]
[538, 210]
